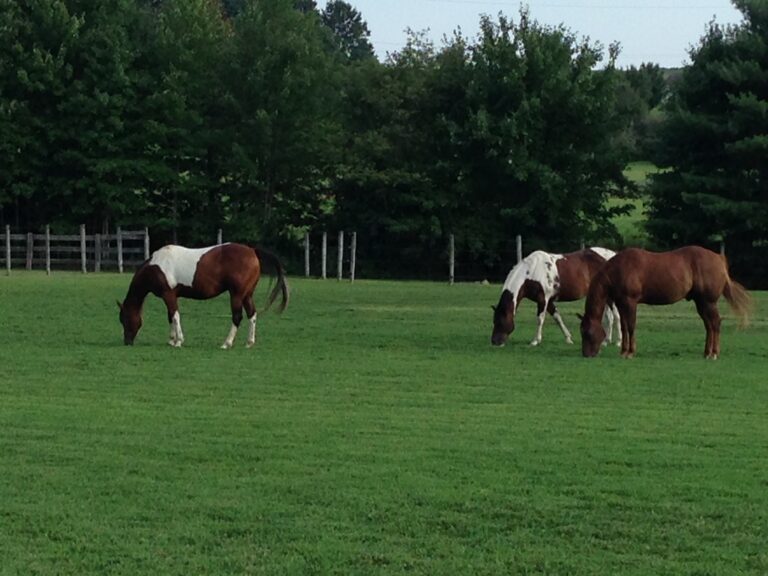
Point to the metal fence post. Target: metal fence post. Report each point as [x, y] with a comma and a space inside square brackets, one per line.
[519, 243]
[451, 259]
[146, 243]
[353, 257]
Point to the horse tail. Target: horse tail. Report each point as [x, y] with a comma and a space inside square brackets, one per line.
[269, 260]
[738, 298]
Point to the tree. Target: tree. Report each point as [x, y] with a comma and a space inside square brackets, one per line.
[285, 93]
[517, 133]
[349, 30]
[715, 145]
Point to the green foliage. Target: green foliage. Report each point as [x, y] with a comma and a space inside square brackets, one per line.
[372, 430]
[517, 133]
[271, 118]
[715, 145]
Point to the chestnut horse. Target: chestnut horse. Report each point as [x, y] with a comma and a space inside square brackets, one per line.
[636, 276]
[547, 278]
[176, 272]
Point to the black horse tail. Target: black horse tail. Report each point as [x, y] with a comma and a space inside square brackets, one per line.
[269, 260]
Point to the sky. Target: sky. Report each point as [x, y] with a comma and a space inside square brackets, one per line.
[657, 31]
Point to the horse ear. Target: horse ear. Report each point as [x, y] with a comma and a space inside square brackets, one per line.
[493, 307]
[119, 305]
[579, 316]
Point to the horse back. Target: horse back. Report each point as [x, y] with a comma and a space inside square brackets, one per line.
[576, 271]
[690, 272]
[233, 267]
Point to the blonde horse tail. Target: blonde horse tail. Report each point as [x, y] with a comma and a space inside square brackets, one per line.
[738, 298]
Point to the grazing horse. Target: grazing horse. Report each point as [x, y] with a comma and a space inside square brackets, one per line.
[547, 278]
[201, 273]
[636, 276]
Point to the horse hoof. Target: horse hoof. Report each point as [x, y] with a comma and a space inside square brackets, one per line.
[568, 341]
[534, 343]
[226, 346]
[250, 344]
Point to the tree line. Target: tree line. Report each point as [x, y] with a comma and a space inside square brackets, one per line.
[268, 119]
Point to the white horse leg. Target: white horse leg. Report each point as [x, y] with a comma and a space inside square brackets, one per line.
[230, 338]
[251, 331]
[566, 332]
[540, 324]
[617, 322]
[177, 336]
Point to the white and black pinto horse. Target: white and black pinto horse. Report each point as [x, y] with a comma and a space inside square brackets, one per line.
[176, 272]
[546, 279]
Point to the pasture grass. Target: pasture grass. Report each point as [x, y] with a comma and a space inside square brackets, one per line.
[373, 430]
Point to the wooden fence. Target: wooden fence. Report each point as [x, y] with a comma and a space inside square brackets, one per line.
[86, 251]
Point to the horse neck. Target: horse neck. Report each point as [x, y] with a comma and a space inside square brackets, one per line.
[515, 281]
[597, 297]
[138, 289]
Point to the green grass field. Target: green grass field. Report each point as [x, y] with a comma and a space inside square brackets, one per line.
[373, 430]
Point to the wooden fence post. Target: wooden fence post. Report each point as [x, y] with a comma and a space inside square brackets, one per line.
[219, 237]
[306, 254]
[48, 249]
[30, 249]
[146, 243]
[722, 246]
[352, 257]
[8, 249]
[340, 257]
[325, 255]
[519, 243]
[451, 259]
[82, 249]
[119, 250]
[97, 252]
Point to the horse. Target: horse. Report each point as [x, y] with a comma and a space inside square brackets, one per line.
[636, 276]
[547, 278]
[175, 272]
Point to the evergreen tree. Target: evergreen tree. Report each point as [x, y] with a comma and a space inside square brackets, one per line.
[716, 141]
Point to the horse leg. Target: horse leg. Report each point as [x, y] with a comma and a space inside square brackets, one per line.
[552, 309]
[711, 317]
[174, 319]
[540, 315]
[236, 303]
[250, 312]
[628, 316]
[613, 320]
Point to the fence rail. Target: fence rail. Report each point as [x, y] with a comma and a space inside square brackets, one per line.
[97, 251]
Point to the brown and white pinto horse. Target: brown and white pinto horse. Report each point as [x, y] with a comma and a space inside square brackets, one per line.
[547, 278]
[176, 272]
[636, 276]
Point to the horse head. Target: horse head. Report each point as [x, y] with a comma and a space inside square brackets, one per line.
[130, 318]
[592, 335]
[503, 319]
